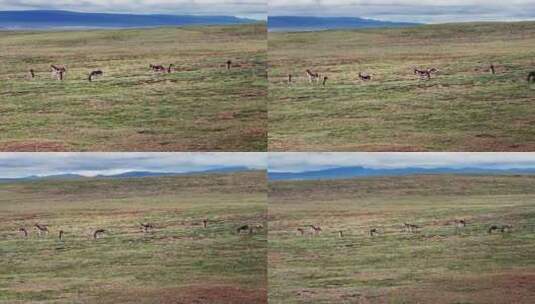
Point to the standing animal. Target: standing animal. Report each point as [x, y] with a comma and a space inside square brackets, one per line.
[41, 229]
[325, 80]
[340, 234]
[146, 226]
[205, 223]
[301, 231]
[492, 69]
[170, 68]
[365, 77]
[24, 231]
[531, 77]
[312, 76]
[460, 223]
[61, 235]
[410, 227]
[315, 229]
[95, 74]
[98, 233]
[229, 64]
[289, 78]
[373, 232]
[31, 72]
[58, 71]
[422, 73]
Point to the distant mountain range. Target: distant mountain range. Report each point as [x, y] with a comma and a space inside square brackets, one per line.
[132, 174]
[46, 19]
[352, 172]
[295, 24]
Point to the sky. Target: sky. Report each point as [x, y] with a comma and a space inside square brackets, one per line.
[302, 162]
[256, 9]
[16, 165]
[424, 11]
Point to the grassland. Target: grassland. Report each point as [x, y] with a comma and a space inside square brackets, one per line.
[178, 262]
[438, 264]
[199, 107]
[463, 108]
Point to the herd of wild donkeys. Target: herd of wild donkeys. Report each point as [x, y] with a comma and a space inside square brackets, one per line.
[43, 230]
[59, 72]
[411, 228]
[425, 74]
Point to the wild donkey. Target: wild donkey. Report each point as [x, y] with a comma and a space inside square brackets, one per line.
[24, 231]
[410, 227]
[146, 226]
[98, 233]
[41, 229]
[93, 74]
[58, 72]
[313, 77]
[315, 229]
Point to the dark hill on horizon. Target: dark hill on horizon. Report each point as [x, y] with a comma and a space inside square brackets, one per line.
[356, 172]
[50, 19]
[296, 24]
[127, 175]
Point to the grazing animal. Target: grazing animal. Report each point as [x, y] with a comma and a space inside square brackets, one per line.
[229, 64]
[531, 77]
[373, 232]
[24, 231]
[205, 223]
[170, 68]
[31, 72]
[411, 227]
[244, 228]
[492, 69]
[61, 235]
[157, 68]
[312, 76]
[41, 229]
[95, 74]
[58, 72]
[315, 229]
[365, 77]
[146, 227]
[98, 233]
[301, 231]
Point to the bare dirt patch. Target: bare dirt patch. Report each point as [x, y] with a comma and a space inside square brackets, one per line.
[33, 146]
[194, 294]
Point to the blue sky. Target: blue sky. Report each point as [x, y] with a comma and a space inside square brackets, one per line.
[13, 165]
[426, 11]
[256, 9]
[302, 162]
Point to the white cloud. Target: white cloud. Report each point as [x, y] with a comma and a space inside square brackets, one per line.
[246, 8]
[432, 11]
[299, 162]
[91, 164]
